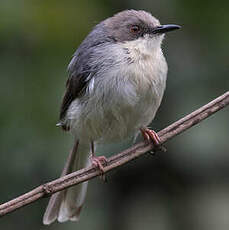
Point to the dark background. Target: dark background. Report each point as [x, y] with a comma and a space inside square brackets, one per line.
[185, 188]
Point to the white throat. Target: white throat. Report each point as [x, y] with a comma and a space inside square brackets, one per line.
[144, 47]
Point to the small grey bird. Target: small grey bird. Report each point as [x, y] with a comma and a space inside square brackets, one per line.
[117, 78]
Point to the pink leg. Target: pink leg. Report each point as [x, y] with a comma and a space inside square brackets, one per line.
[150, 135]
[97, 161]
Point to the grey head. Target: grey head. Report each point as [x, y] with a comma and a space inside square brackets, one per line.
[124, 26]
[132, 24]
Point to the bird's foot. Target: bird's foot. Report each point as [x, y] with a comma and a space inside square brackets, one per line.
[150, 135]
[98, 162]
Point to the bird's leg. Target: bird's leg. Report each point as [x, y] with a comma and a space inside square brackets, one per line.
[97, 161]
[150, 135]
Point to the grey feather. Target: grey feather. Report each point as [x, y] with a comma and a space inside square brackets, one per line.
[53, 207]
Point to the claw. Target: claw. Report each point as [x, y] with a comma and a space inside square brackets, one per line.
[98, 161]
[150, 135]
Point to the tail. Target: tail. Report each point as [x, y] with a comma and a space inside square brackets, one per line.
[66, 205]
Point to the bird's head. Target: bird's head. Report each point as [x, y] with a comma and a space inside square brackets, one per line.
[130, 25]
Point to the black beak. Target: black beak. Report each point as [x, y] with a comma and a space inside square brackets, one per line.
[165, 28]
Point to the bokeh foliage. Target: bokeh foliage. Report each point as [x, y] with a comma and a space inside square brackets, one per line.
[185, 188]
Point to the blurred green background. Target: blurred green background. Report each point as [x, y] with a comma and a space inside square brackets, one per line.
[185, 188]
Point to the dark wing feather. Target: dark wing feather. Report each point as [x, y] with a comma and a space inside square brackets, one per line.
[75, 87]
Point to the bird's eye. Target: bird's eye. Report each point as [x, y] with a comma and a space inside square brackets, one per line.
[134, 29]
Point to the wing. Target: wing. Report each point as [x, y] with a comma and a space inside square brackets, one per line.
[75, 87]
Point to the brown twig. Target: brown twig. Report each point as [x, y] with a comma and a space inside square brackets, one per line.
[116, 160]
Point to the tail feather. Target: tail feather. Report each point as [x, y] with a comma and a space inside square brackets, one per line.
[66, 205]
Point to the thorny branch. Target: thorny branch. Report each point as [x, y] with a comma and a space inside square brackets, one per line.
[116, 160]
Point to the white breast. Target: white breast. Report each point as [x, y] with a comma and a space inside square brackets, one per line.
[148, 73]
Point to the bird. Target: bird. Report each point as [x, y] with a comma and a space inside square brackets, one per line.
[116, 81]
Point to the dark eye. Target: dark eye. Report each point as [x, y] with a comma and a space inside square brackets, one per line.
[134, 29]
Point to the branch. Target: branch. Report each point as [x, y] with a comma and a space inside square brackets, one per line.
[116, 160]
